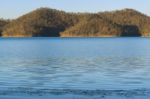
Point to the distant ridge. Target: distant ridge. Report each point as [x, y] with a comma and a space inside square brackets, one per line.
[46, 22]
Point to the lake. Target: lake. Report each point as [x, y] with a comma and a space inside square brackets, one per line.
[75, 68]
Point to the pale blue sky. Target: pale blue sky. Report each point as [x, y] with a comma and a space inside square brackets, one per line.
[15, 8]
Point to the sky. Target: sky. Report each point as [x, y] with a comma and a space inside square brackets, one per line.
[10, 9]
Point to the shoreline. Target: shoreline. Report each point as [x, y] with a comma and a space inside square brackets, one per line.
[87, 37]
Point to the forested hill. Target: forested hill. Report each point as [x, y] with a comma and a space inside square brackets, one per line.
[46, 22]
[2, 25]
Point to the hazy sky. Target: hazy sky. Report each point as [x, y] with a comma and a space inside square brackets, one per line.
[15, 8]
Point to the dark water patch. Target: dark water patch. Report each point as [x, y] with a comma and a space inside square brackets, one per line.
[102, 93]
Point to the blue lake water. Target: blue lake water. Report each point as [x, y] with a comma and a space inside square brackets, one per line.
[77, 66]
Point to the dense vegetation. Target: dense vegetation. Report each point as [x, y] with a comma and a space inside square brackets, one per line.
[91, 26]
[2, 25]
[134, 23]
[45, 22]
[42, 22]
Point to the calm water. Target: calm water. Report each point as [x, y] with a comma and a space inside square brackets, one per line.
[74, 64]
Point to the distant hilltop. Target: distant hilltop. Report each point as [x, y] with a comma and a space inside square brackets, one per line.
[46, 22]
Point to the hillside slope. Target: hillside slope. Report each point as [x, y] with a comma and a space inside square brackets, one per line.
[46, 22]
[2, 25]
[42, 22]
[133, 22]
[93, 26]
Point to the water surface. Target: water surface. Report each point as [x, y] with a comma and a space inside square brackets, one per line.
[74, 65]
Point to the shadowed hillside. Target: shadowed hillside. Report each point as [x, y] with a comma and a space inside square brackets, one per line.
[45, 22]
